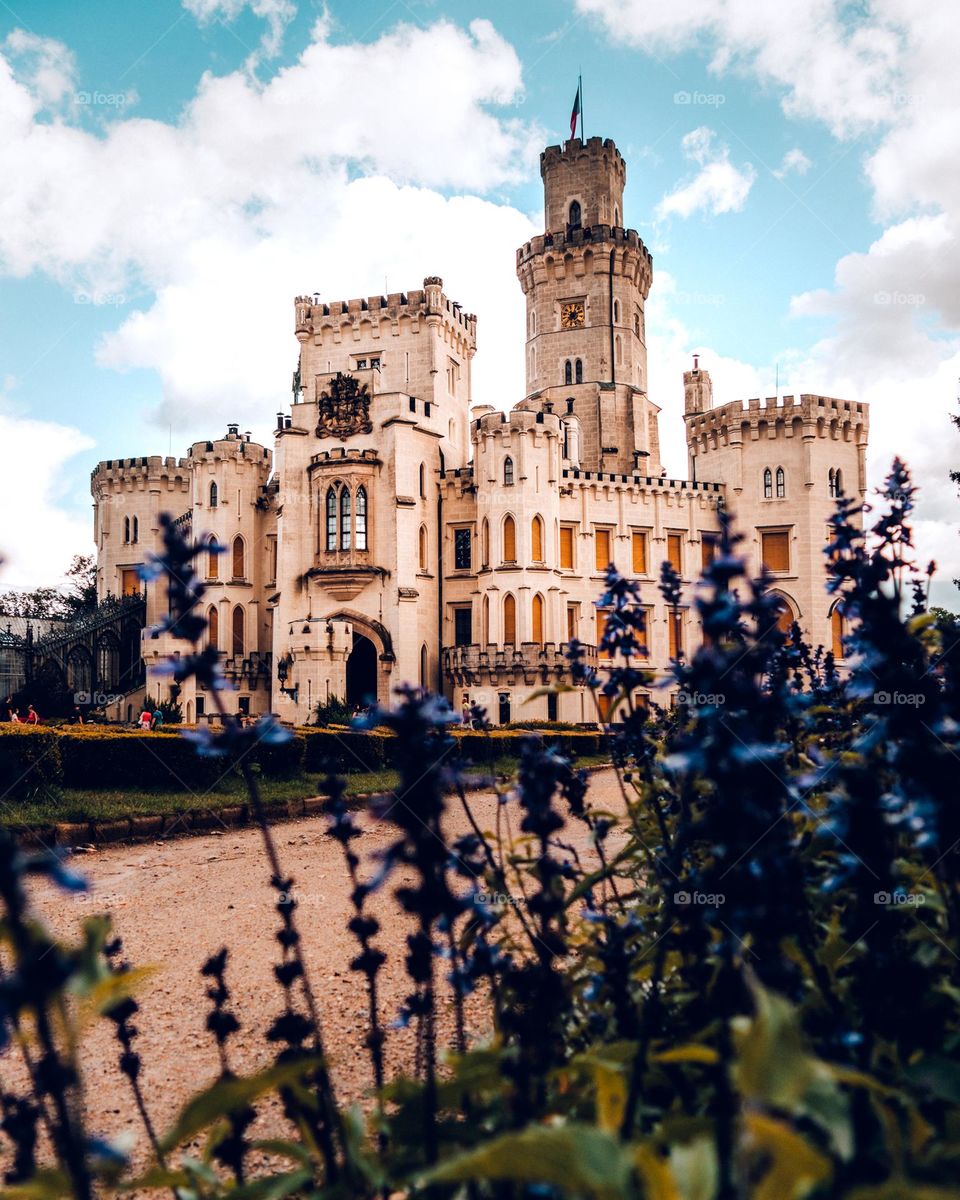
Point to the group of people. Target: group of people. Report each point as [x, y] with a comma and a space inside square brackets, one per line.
[12, 714]
[148, 720]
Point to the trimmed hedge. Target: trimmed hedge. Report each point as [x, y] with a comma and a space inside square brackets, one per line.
[29, 760]
[93, 757]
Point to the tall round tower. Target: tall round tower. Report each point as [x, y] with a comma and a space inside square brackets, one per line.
[586, 282]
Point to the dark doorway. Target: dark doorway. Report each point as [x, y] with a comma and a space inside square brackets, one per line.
[362, 672]
[504, 709]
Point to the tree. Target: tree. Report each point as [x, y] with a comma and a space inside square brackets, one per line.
[75, 597]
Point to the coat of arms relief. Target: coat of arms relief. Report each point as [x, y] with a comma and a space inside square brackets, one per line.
[344, 407]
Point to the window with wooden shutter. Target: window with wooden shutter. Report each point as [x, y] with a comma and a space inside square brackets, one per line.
[675, 631]
[601, 627]
[537, 614]
[572, 615]
[536, 540]
[601, 539]
[836, 632]
[775, 550]
[675, 552]
[238, 557]
[566, 547]
[639, 542]
[708, 549]
[605, 704]
[509, 540]
[509, 621]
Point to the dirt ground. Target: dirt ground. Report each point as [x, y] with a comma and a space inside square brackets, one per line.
[175, 902]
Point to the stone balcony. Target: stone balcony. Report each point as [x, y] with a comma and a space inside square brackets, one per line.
[529, 661]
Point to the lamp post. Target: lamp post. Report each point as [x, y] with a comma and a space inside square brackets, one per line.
[283, 671]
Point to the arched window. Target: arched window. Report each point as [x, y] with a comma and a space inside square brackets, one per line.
[578, 371]
[837, 631]
[636, 324]
[835, 479]
[345, 518]
[616, 312]
[536, 539]
[485, 542]
[331, 518]
[361, 518]
[423, 666]
[575, 214]
[423, 480]
[485, 620]
[509, 540]
[838, 477]
[238, 563]
[508, 471]
[509, 621]
[781, 483]
[767, 484]
[213, 627]
[423, 547]
[451, 429]
[213, 558]
[568, 372]
[213, 495]
[126, 527]
[236, 642]
[537, 616]
[136, 529]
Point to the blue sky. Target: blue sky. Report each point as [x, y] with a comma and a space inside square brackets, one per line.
[767, 171]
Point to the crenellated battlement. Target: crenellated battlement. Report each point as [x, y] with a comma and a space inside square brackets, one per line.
[344, 455]
[820, 416]
[574, 151]
[519, 420]
[115, 471]
[582, 238]
[312, 314]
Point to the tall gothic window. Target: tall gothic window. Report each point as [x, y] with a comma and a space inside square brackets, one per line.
[781, 483]
[345, 518]
[568, 372]
[537, 611]
[767, 484]
[508, 471]
[238, 557]
[136, 529]
[509, 539]
[575, 214]
[509, 621]
[213, 495]
[835, 479]
[126, 526]
[213, 569]
[578, 371]
[237, 633]
[361, 529]
[213, 627]
[331, 518]
[536, 539]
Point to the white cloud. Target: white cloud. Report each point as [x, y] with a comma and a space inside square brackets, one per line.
[718, 187]
[277, 13]
[794, 161]
[46, 66]
[39, 539]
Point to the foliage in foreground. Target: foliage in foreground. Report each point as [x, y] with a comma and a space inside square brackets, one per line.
[750, 993]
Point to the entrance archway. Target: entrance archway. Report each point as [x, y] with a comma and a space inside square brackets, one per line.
[362, 672]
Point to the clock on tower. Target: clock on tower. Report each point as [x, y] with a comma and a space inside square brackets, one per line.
[572, 315]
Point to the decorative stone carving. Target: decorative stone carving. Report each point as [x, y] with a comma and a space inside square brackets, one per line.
[344, 408]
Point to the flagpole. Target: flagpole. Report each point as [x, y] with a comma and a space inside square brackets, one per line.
[580, 90]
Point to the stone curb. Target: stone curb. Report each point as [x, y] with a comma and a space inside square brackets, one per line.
[194, 822]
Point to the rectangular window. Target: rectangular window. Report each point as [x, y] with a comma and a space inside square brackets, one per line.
[639, 552]
[675, 552]
[201, 706]
[775, 550]
[643, 651]
[573, 621]
[551, 706]
[675, 628]
[566, 547]
[130, 582]
[361, 364]
[708, 549]
[462, 626]
[605, 704]
[601, 540]
[601, 627]
[462, 550]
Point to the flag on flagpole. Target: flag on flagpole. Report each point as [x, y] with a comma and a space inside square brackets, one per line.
[575, 114]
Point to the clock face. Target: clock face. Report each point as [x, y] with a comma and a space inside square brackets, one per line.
[572, 315]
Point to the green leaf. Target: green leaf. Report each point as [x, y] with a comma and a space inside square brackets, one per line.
[772, 1064]
[228, 1095]
[793, 1169]
[575, 1158]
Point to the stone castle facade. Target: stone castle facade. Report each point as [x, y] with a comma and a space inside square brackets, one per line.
[396, 533]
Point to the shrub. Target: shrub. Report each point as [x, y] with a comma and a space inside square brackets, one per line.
[282, 759]
[334, 711]
[344, 750]
[94, 758]
[30, 760]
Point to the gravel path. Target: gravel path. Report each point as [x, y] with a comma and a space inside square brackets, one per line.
[175, 902]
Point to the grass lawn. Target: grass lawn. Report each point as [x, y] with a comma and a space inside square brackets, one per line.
[75, 804]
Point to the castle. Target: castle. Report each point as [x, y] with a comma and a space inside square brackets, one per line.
[397, 534]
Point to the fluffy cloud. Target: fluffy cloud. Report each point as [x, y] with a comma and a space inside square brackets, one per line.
[39, 538]
[795, 162]
[277, 13]
[718, 187]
